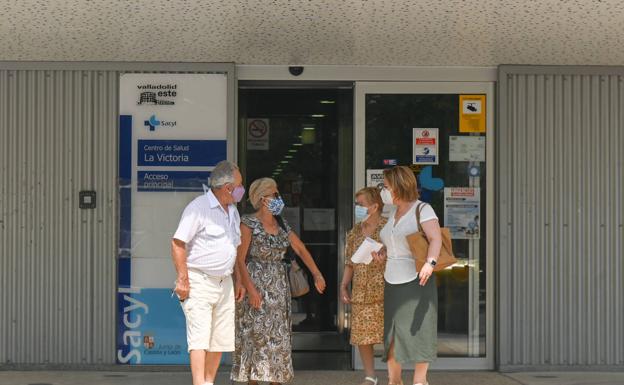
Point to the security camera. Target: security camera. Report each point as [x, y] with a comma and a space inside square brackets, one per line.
[295, 70]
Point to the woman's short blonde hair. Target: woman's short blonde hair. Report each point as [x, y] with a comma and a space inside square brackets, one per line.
[259, 189]
[372, 196]
[402, 182]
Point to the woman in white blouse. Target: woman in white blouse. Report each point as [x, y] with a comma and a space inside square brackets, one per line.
[410, 296]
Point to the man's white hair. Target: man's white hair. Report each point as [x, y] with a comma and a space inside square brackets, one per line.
[222, 174]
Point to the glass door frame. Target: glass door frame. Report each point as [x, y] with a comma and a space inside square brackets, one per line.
[438, 87]
[311, 344]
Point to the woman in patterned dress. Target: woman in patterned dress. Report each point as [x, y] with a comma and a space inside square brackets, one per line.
[367, 292]
[263, 323]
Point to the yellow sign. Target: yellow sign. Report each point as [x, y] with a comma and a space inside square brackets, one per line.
[471, 113]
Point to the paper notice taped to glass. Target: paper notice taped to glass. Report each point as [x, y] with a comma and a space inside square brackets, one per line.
[364, 253]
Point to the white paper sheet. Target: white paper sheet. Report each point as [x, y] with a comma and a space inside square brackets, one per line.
[467, 148]
[364, 253]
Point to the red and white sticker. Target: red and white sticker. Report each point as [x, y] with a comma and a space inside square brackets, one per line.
[425, 146]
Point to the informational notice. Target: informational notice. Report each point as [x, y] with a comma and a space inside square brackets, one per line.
[467, 148]
[425, 146]
[462, 208]
[257, 134]
[319, 219]
[472, 113]
[172, 132]
[374, 178]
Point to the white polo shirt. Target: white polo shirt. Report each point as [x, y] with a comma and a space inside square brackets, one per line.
[401, 265]
[211, 235]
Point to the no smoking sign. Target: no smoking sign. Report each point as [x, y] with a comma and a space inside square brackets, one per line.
[257, 134]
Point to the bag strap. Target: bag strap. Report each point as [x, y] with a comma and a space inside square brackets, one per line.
[280, 222]
[418, 209]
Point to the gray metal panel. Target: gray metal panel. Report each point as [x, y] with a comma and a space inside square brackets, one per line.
[560, 225]
[58, 135]
[46, 249]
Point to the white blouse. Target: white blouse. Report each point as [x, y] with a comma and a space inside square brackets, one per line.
[401, 266]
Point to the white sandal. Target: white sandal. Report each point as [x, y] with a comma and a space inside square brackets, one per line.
[373, 380]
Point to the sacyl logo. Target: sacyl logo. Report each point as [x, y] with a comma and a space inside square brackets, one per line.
[153, 122]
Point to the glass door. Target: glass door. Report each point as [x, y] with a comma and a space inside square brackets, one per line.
[302, 137]
[444, 133]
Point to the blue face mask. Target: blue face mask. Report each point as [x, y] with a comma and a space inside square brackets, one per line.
[276, 205]
[361, 213]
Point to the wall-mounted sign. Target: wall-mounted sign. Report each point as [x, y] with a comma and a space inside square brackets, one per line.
[374, 178]
[472, 113]
[172, 134]
[467, 148]
[462, 208]
[425, 146]
[257, 134]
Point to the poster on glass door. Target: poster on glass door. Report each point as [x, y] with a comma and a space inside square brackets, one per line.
[425, 146]
[462, 208]
[172, 134]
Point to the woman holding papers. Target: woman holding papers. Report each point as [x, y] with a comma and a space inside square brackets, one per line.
[367, 292]
[411, 297]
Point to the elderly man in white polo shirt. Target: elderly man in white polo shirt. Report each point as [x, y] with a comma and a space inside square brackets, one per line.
[204, 253]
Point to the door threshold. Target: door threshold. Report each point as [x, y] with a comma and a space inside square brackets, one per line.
[319, 360]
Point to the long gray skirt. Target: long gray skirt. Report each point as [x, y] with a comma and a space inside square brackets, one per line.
[411, 320]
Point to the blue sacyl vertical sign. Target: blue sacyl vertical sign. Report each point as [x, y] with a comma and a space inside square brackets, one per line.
[124, 265]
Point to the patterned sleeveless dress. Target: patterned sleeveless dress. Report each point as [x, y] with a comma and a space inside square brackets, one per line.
[263, 336]
[367, 291]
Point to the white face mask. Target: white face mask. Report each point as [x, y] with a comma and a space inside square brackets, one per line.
[386, 196]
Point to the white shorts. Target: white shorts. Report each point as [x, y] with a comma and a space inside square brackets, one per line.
[209, 312]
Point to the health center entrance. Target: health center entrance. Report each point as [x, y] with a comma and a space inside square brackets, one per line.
[443, 132]
[322, 142]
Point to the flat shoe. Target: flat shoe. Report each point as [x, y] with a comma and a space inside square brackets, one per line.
[370, 380]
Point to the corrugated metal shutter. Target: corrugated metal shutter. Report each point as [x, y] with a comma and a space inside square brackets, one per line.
[560, 217]
[58, 137]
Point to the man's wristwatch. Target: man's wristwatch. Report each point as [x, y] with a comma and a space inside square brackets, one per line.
[433, 262]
